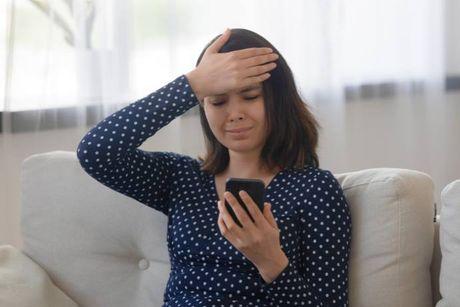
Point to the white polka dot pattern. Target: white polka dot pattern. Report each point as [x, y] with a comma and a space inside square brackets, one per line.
[206, 270]
[318, 274]
[109, 152]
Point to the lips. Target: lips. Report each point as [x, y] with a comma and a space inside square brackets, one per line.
[239, 130]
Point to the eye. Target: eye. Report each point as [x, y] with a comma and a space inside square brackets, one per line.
[222, 102]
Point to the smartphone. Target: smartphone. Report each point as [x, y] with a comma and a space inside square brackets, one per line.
[254, 187]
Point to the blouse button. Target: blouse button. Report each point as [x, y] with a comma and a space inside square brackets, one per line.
[143, 264]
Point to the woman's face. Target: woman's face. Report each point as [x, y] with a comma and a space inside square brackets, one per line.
[243, 108]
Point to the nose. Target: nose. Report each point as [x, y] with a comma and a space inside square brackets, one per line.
[235, 115]
[235, 110]
[239, 118]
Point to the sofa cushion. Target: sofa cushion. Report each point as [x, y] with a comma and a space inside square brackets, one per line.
[449, 237]
[392, 236]
[23, 283]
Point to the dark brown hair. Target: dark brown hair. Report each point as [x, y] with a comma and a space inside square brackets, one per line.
[292, 129]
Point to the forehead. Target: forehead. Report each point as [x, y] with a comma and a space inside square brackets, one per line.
[243, 90]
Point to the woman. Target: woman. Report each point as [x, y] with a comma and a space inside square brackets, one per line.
[294, 254]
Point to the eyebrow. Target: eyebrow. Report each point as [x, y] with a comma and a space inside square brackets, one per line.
[247, 89]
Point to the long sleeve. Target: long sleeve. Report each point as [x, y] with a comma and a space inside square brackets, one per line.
[321, 276]
[109, 152]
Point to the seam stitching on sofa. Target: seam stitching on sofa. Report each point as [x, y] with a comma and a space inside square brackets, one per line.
[366, 183]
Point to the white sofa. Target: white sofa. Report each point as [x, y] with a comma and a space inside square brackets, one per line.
[102, 248]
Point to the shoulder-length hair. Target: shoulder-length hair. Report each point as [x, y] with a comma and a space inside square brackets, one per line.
[292, 129]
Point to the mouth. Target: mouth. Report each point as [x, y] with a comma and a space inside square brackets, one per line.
[239, 131]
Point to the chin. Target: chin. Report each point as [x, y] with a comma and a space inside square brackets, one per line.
[241, 145]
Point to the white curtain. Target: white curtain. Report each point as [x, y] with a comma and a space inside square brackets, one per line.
[68, 64]
[74, 54]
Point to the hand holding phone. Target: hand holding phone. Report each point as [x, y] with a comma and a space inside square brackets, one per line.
[254, 187]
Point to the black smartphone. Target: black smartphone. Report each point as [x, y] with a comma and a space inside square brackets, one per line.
[254, 187]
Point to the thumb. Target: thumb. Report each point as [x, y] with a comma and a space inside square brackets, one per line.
[219, 42]
[269, 215]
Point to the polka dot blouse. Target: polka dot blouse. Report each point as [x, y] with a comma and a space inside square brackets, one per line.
[206, 269]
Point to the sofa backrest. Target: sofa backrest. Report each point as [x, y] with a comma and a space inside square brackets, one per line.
[105, 249]
[99, 246]
[393, 237]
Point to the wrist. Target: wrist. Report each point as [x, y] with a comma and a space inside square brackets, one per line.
[271, 270]
[194, 81]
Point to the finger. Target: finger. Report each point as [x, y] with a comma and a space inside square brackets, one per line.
[232, 226]
[259, 70]
[271, 218]
[255, 80]
[254, 211]
[251, 52]
[222, 227]
[223, 215]
[238, 209]
[219, 42]
[224, 231]
[260, 60]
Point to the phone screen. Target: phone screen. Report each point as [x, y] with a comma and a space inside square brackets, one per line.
[254, 187]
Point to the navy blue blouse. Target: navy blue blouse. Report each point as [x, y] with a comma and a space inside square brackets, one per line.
[206, 269]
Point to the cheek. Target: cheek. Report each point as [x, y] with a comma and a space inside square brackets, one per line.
[259, 115]
[214, 122]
